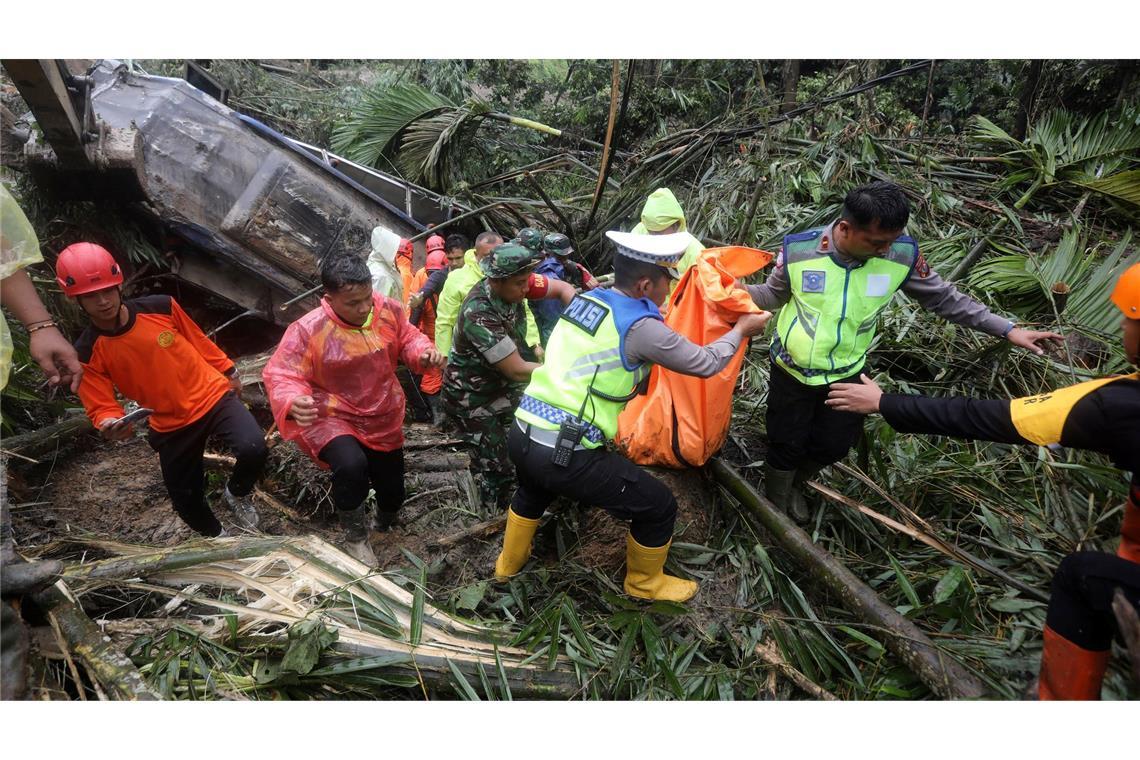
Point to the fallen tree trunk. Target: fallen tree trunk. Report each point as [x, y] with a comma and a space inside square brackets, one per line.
[45, 439]
[112, 672]
[944, 675]
[161, 560]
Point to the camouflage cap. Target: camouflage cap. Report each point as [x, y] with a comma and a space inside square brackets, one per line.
[507, 260]
[558, 244]
[531, 238]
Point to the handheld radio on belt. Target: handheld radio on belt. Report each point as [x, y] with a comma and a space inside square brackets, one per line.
[570, 432]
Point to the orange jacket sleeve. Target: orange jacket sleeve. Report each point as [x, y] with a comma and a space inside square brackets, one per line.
[97, 393]
[288, 374]
[213, 355]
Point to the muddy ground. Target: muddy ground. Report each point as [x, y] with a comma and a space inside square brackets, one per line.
[97, 489]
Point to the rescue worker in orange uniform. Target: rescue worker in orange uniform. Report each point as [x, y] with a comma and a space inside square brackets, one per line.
[1100, 415]
[151, 351]
[421, 312]
[404, 263]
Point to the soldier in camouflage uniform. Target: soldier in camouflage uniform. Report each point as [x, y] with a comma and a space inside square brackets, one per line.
[490, 364]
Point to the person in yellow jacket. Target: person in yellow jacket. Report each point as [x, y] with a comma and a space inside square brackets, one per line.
[662, 215]
[459, 284]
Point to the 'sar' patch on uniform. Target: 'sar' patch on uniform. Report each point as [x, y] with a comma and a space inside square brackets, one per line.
[921, 268]
[166, 339]
[585, 313]
[813, 281]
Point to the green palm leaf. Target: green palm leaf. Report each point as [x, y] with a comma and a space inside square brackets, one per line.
[1124, 185]
[1063, 147]
[431, 145]
[376, 124]
[1027, 280]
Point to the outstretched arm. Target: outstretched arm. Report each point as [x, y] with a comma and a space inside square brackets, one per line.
[956, 416]
[944, 299]
[650, 340]
[56, 357]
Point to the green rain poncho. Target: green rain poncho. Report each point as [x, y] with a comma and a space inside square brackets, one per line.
[19, 248]
[661, 212]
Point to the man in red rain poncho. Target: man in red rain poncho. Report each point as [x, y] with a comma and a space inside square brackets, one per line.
[333, 389]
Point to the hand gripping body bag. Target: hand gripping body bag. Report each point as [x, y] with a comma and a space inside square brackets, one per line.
[682, 420]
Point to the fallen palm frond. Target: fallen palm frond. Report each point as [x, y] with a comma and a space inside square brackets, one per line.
[1027, 281]
[267, 592]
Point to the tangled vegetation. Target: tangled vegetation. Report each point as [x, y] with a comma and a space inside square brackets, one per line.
[1005, 214]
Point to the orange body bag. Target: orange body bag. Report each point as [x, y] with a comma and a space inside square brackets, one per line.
[682, 420]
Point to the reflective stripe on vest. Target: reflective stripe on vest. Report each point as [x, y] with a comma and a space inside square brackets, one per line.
[582, 352]
[824, 333]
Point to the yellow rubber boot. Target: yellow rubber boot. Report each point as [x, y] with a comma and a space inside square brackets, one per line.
[517, 541]
[644, 578]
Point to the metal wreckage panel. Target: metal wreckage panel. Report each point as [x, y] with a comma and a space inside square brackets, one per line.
[259, 204]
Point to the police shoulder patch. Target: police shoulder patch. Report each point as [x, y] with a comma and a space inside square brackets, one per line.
[585, 314]
[799, 237]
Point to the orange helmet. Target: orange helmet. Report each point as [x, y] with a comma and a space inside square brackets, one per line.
[85, 268]
[434, 243]
[435, 260]
[1126, 294]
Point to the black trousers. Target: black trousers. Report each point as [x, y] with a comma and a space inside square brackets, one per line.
[594, 477]
[354, 466]
[1080, 608]
[180, 455]
[801, 426]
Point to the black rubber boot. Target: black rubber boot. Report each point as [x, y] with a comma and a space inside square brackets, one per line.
[383, 521]
[355, 539]
[781, 490]
[805, 472]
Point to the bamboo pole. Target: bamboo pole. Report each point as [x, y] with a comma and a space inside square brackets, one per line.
[770, 654]
[566, 225]
[146, 563]
[435, 230]
[938, 670]
[482, 529]
[604, 169]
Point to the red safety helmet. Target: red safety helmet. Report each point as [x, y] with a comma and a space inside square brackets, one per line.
[1126, 294]
[405, 248]
[435, 260]
[434, 243]
[85, 268]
